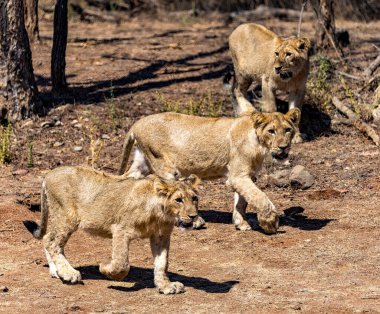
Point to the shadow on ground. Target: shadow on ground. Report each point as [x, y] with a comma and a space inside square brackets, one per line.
[96, 92]
[143, 278]
[298, 221]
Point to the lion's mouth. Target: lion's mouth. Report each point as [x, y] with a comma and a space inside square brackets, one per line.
[280, 156]
[286, 75]
[184, 224]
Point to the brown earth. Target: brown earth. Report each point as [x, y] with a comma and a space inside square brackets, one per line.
[323, 260]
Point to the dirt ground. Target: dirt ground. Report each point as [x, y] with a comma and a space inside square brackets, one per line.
[325, 260]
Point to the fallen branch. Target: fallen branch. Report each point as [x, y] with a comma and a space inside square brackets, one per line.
[350, 76]
[372, 67]
[356, 122]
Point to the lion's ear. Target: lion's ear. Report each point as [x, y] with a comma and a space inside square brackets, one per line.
[194, 180]
[294, 115]
[259, 119]
[160, 187]
[303, 44]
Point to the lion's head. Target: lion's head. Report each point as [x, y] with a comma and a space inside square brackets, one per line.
[276, 130]
[180, 199]
[291, 56]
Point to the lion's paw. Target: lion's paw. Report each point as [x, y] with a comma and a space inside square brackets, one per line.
[269, 222]
[243, 226]
[113, 273]
[198, 222]
[70, 276]
[172, 288]
[297, 138]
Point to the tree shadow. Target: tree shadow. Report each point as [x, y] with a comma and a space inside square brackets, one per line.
[95, 92]
[143, 279]
[297, 221]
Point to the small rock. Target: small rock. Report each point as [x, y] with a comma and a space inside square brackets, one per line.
[77, 148]
[47, 124]
[74, 122]
[20, 172]
[78, 125]
[4, 289]
[74, 308]
[105, 137]
[300, 178]
[58, 123]
[58, 144]
[280, 178]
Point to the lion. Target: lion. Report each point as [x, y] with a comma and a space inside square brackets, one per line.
[169, 144]
[278, 63]
[117, 207]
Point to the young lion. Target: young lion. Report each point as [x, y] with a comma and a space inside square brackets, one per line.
[117, 207]
[212, 148]
[279, 64]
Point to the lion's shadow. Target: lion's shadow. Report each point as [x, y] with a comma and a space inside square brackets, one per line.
[298, 221]
[143, 279]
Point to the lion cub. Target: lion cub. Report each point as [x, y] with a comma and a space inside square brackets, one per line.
[211, 148]
[278, 63]
[112, 206]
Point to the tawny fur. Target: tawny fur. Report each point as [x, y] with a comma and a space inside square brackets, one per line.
[277, 63]
[235, 148]
[117, 207]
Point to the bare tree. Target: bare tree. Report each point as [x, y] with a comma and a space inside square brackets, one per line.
[325, 30]
[18, 91]
[58, 54]
[31, 19]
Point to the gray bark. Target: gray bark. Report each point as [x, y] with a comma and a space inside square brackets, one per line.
[18, 91]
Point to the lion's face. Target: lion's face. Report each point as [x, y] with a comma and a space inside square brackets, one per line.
[181, 200]
[276, 130]
[290, 57]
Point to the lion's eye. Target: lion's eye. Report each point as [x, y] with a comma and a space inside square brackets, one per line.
[179, 200]
[272, 131]
[288, 54]
[195, 199]
[288, 130]
[276, 54]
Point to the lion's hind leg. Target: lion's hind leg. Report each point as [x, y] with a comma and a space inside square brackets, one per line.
[60, 229]
[238, 216]
[140, 167]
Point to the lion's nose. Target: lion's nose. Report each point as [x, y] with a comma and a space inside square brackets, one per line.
[192, 216]
[278, 69]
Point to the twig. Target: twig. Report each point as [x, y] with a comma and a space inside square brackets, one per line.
[372, 67]
[369, 83]
[300, 20]
[356, 122]
[350, 76]
[377, 47]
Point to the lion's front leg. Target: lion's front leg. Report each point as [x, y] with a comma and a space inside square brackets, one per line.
[118, 267]
[160, 250]
[296, 101]
[266, 212]
[269, 97]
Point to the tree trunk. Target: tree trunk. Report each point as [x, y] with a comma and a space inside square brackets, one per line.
[325, 28]
[31, 19]
[58, 63]
[18, 91]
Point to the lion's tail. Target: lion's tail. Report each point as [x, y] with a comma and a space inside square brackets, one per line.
[38, 231]
[127, 147]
